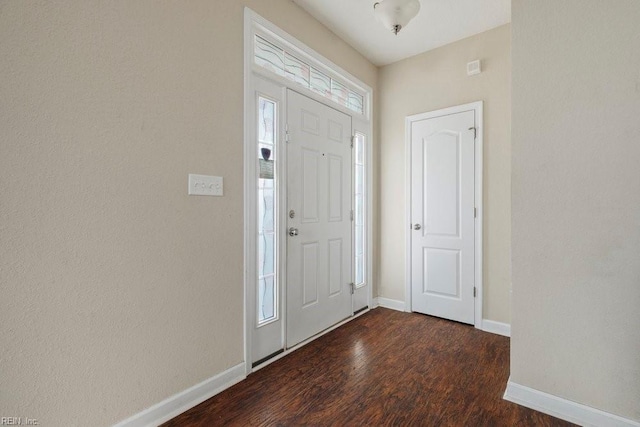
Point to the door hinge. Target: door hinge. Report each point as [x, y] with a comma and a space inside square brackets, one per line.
[351, 214]
[475, 212]
[353, 288]
[286, 133]
[474, 292]
[475, 132]
[353, 137]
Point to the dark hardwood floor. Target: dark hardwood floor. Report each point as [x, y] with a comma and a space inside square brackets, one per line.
[384, 368]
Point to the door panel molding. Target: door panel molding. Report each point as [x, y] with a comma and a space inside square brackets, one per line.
[477, 109]
[325, 272]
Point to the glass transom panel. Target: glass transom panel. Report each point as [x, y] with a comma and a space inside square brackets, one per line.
[283, 63]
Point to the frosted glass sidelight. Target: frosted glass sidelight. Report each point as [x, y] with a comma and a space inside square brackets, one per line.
[261, 245]
[266, 122]
[359, 239]
[359, 220]
[267, 240]
[359, 146]
[359, 214]
[359, 179]
[265, 210]
[266, 183]
[359, 270]
[267, 299]
[269, 253]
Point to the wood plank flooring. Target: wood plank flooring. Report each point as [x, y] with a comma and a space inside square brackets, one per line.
[384, 368]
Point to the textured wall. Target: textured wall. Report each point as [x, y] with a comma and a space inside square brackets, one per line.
[576, 201]
[119, 290]
[427, 82]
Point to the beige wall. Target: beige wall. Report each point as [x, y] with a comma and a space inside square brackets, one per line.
[427, 82]
[119, 290]
[576, 201]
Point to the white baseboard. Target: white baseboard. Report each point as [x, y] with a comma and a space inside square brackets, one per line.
[187, 399]
[564, 409]
[494, 327]
[389, 303]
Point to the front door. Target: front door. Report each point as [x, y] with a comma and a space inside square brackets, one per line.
[442, 216]
[319, 246]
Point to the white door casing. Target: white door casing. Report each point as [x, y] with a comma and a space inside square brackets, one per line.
[319, 199]
[442, 215]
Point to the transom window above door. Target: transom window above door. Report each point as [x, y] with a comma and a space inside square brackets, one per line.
[287, 64]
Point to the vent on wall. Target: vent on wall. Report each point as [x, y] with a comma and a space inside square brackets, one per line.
[473, 68]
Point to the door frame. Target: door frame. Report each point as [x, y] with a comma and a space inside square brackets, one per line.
[477, 108]
[362, 123]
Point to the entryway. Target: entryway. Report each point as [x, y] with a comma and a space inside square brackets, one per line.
[307, 184]
[444, 236]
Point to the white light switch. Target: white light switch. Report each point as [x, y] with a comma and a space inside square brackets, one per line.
[205, 185]
[474, 68]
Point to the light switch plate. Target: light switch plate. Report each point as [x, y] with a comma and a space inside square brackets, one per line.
[474, 68]
[205, 185]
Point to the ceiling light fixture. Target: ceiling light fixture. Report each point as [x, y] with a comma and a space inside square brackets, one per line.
[396, 14]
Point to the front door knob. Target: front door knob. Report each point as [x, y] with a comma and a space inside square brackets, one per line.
[417, 227]
[293, 232]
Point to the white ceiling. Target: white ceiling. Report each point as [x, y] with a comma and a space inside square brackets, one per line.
[439, 22]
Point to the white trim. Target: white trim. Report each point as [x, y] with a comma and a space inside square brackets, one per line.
[479, 183]
[498, 328]
[361, 126]
[389, 303]
[407, 207]
[477, 108]
[564, 409]
[249, 210]
[186, 399]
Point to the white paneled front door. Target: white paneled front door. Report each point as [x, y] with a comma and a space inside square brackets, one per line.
[319, 246]
[442, 216]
